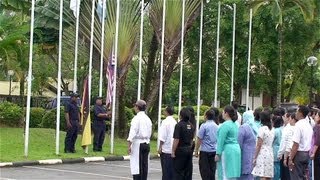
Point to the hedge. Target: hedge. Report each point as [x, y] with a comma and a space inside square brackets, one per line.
[50, 117]
[36, 116]
[10, 114]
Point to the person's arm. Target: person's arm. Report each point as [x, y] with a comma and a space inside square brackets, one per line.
[99, 113]
[176, 136]
[258, 148]
[199, 142]
[66, 116]
[293, 153]
[241, 136]
[285, 159]
[162, 137]
[222, 135]
[132, 133]
[200, 137]
[160, 147]
[174, 147]
[282, 148]
[316, 141]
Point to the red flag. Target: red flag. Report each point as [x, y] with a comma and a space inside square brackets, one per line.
[110, 77]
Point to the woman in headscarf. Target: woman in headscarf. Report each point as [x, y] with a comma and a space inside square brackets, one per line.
[247, 141]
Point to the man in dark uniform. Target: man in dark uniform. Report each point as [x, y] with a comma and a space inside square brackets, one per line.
[182, 146]
[72, 115]
[99, 125]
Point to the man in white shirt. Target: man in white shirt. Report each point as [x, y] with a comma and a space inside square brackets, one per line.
[166, 140]
[299, 155]
[138, 142]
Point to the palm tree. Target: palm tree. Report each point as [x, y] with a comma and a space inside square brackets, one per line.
[277, 9]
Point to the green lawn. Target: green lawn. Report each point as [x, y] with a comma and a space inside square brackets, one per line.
[42, 145]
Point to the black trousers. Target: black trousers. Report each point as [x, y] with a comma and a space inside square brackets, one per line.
[316, 163]
[71, 137]
[301, 162]
[284, 171]
[99, 131]
[143, 162]
[182, 164]
[167, 166]
[207, 165]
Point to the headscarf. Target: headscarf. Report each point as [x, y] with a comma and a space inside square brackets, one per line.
[248, 118]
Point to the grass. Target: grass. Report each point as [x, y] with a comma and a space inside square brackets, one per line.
[42, 145]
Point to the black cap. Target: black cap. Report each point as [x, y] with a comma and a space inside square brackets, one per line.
[74, 95]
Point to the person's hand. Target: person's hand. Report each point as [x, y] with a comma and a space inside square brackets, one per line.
[160, 150]
[69, 125]
[290, 165]
[254, 162]
[285, 163]
[312, 156]
[196, 154]
[129, 150]
[173, 155]
[217, 158]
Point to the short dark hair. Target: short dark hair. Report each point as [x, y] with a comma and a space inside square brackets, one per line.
[210, 115]
[170, 110]
[141, 107]
[265, 118]
[185, 114]
[216, 114]
[277, 121]
[304, 110]
[231, 112]
[293, 116]
[235, 104]
[279, 111]
[256, 114]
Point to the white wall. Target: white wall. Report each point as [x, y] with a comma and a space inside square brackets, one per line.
[256, 100]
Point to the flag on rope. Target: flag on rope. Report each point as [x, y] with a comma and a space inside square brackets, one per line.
[100, 7]
[85, 116]
[73, 6]
[110, 77]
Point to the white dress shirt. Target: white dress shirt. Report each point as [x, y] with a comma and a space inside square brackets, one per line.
[141, 128]
[286, 140]
[303, 135]
[166, 134]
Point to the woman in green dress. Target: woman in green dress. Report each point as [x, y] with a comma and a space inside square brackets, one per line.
[228, 153]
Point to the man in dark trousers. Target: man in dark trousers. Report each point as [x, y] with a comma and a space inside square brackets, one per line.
[72, 116]
[99, 125]
[138, 142]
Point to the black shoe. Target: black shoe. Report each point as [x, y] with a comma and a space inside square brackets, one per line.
[73, 151]
[67, 151]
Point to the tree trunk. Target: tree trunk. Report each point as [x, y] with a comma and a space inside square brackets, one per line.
[279, 86]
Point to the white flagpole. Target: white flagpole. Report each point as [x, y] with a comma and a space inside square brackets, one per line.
[140, 51]
[199, 73]
[102, 47]
[181, 57]
[217, 59]
[91, 55]
[115, 76]
[161, 67]
[249, 59]
[75, 87]
[59, 79]
[26, 137]
[233, 50]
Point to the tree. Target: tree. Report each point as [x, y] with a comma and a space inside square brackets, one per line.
[277, 10]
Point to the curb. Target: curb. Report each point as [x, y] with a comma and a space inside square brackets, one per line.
[68, 161]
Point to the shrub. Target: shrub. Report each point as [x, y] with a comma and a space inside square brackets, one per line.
[129, 114]
[10, 114]
[36, 115]
[50, 117]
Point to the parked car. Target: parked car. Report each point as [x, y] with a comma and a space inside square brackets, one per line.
[63, 101]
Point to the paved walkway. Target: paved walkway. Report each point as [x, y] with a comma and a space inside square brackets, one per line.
[110, 170]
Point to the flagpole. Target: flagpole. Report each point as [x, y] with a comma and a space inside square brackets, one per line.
[181, 57]
[90, 60]
[140, 51]
[75, 86]
[26, 137]
[249, 59]
[217, 59]
[161, 67]
[199, 73]
[115, 77]
[59, 79]
[233, 50]
[102, 47]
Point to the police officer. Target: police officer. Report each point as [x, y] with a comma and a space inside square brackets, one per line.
[182, 149]
[99, 125]
[72, 116]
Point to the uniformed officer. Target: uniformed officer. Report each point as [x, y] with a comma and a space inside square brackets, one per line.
[99, 124]
[72, 116]
[182, 146]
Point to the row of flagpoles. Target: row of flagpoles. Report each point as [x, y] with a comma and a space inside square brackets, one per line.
[112, 72]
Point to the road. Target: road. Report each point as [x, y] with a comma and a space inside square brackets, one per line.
[95, 170]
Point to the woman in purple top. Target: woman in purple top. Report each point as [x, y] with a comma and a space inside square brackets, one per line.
[247, 142]
[315, 151]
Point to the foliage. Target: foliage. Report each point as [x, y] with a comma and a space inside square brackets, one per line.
[50, 117]
[36, 116]
[10, 114]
